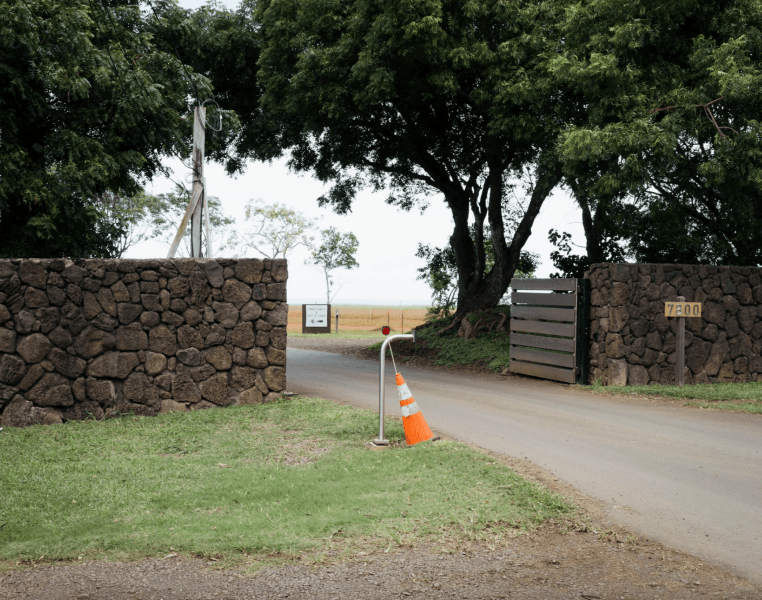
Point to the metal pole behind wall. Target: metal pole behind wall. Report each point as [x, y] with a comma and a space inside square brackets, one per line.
[199, 139]
[207, 227]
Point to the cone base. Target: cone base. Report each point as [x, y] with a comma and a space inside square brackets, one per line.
[416, 429]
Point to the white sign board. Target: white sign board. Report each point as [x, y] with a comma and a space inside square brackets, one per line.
[317, 315]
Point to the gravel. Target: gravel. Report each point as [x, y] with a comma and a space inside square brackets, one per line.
[548, 564]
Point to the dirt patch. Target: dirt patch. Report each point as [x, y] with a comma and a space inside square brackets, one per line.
[338, 345]
[551, 563]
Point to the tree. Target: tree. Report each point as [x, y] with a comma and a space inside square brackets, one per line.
[128, 215]
[165, 212]
[425, 97]
[275, 229]
[672, 139]
[89, 104]
[440, 272]
[145, 217]
[336, 252]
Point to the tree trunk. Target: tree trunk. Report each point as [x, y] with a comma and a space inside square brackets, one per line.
[479, 292]
[462, 244]
[591, 223]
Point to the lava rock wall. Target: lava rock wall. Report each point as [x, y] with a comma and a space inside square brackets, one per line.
[97, 338]
[632, 342]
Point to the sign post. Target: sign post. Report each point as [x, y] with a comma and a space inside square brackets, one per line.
[316, 318]
[680, 345]
[681, 309]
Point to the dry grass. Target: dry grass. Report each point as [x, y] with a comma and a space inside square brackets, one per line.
[364, 318]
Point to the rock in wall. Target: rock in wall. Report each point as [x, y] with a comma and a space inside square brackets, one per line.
[633, 343]
[97, 338]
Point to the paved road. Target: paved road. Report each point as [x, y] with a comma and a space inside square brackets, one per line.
[689, 478]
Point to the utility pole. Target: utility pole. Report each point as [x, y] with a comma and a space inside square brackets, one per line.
[197, 208]
[199, 139]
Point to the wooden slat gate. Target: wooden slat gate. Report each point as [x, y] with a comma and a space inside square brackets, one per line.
[549, 328]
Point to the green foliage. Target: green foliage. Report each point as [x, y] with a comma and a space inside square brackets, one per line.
[575, 265]
[421, 98]
[337, 251]
[441, 273]
[127, 214]
[491, 348]
[670, 131]
[90, 104]
[223, 45]
[164, 213]
[144, 217]
[284, 478]
[569, 265]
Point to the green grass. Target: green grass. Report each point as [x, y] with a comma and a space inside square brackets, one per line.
[744, 397]
[492, 348]
[298, 482]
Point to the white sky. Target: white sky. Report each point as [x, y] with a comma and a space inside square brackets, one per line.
[388, 237]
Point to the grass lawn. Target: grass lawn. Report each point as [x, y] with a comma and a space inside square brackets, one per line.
[743, 397]
[248, 486]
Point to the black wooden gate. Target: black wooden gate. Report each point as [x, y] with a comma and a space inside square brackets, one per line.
[549, 328]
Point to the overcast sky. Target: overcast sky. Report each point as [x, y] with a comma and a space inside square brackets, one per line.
[388, 236]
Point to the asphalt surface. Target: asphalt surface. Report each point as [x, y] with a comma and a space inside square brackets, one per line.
[688, 478]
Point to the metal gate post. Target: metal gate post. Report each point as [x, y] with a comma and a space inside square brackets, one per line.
[583, 330]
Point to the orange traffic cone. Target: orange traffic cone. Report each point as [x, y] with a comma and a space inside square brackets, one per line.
[416, 428]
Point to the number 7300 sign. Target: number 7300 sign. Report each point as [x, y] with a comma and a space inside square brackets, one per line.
[682, 309]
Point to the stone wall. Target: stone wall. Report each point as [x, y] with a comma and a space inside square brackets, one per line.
[633, 343]
[99, 338]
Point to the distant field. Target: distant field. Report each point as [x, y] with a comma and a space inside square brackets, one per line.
[401, 319]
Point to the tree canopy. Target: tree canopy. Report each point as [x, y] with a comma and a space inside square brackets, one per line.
[145, 217]
[668, 159]
[90, 104]
[647, 112]
[275, 229]
[423, 97]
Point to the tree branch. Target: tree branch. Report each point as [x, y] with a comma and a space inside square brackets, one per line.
[707, 110]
